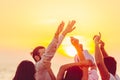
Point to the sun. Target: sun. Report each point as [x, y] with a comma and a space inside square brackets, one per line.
[69, 48]
[70, 51]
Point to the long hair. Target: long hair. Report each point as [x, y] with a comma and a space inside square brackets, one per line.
[25, 71]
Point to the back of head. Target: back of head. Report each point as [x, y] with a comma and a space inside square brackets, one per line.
[25, 71]
[74, 73]
[110, 64]
[36, 52]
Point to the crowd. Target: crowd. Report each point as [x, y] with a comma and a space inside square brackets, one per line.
[84, 68]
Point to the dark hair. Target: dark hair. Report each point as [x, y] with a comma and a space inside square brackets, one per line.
[36, 52]
[74, 73]
[25, 71]
[110, 64]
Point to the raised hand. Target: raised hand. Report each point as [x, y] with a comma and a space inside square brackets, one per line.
[69, 27]
[101, 44]
[97, 38]
[59, 29]
[74, 41]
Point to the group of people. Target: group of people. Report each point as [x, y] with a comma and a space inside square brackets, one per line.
[84, 67]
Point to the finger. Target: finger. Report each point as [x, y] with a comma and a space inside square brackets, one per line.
[94, 37]
[62, 23]
[100, 41]
[73, 22]
[71, 37]
[69, 23]
[72, 29]
[100, 34]
[61, 26]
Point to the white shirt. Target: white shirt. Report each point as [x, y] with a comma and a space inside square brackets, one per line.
[87, 56]
[116, 77]
[41, 72]
[92, 74]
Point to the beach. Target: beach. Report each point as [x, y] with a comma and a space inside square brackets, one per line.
[7, 70]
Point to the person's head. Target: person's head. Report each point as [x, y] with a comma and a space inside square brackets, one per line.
[37, 53]
[25, 71]
[74, 73]
[110, 64]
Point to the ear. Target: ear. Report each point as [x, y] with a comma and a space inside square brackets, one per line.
[31, 53]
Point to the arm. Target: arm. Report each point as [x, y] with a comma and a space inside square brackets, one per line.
[51, 49]
[104, 53]
[67, 30]
[57, 40]
[99, 60]
[69, 27]
[79, 48]
[63, 68]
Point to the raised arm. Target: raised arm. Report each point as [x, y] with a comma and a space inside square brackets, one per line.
[79, 48]
[63, 68]
[104, 53]
[99, 59]
[59, 30]
[57, 39]
[51, 49]
[70, 27]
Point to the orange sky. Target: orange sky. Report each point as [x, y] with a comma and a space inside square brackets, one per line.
[28, 23]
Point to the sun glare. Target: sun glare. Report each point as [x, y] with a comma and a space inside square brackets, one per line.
[71, 51]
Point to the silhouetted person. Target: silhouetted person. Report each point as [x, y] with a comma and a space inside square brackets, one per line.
[73, 71]
[43, 56]
[84, 55]
[106, 64]
[25, 71]
[78, 70]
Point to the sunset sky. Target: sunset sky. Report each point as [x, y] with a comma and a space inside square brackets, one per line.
[25, 24]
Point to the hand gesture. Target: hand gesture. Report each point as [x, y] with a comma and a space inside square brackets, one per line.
[59, 29]
[74, 41]
[97, 38]
[69, 27]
